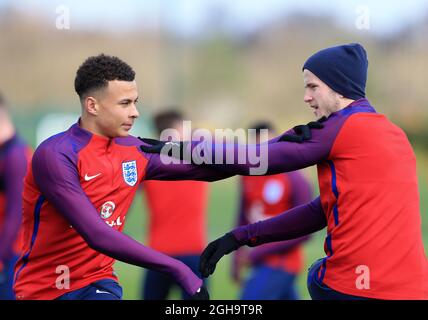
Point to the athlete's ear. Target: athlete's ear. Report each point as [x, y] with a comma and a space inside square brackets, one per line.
[91, 105]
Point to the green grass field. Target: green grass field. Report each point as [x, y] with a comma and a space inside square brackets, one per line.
[222, 208]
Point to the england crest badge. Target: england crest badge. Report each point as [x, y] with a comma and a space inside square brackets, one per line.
[129, 171]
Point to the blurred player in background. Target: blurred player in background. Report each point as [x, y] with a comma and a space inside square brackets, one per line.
[14, 155]
[275, 266]
[177, 218]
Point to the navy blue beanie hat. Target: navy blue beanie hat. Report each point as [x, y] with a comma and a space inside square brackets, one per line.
[342, 68]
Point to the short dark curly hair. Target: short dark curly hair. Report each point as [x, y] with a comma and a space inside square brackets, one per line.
[96, 71]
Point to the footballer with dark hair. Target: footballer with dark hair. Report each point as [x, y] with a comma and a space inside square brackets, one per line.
[79, 188]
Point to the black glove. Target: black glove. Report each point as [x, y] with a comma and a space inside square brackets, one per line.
[170, 148]
[215, 251]
[303, 132]
[201, 294]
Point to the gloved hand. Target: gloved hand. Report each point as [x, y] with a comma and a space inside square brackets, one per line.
[171, 148]
[215, 251]
[201, 294]
[303, 132]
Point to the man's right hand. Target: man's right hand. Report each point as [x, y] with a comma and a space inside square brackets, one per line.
[215, 251]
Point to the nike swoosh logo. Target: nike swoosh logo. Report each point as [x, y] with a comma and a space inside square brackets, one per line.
[99, 291]
[87, 178]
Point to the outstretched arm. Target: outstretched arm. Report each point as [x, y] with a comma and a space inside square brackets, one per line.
[272, 157]
[278, 155]
[161, 167]
[57, 178]
[294, 223]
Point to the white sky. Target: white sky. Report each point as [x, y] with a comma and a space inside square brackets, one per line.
[189, 16]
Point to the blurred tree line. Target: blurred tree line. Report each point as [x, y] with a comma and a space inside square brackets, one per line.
[220, 79]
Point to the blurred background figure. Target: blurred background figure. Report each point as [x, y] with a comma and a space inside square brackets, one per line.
[14, 155]
[274, 267]
[177, 218]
